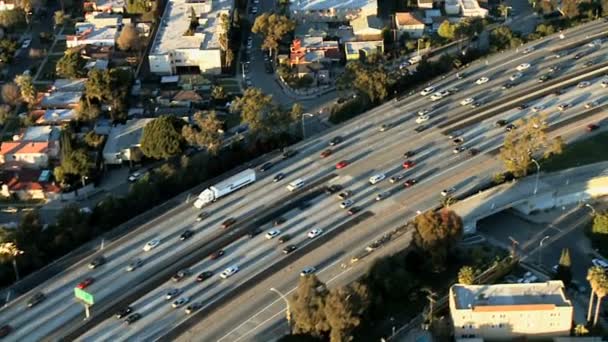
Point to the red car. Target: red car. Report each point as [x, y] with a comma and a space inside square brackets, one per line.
[407, 164]
[341, 164]
[409, 183]
[326, 153]
[83, 284]
[592, 127]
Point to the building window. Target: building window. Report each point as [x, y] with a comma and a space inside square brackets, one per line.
[500, 325]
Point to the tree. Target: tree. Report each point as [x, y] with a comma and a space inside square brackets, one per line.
[26, 87]
[5, 113]
[564, 271]
[344, 309]
[580, 330]
[10, 252]
[466, 275]
[522, 144]
[503, 38]
[129, 39]
[94, 140]
[260, 113]
[70, 65]
[601, 291]
[77, 163]
[97, 86]
[569, 8]
[228, 57]
[446, 30]
[10, 19]
[273, 27]
[504, 10]
[11, 94]
[296, 111]
[161, 138]
[371, 80]
[58, 18]
[85, 111]
[218, 93]
[208, 134]
[436, 233]
[600, 224]
[307, 306]
[594, 275]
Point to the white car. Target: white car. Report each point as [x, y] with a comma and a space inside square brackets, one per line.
[527, 50]
[564, 106]
[447, 191]
[346, 203]
[307, 271]
[427, 90]
[596, 42]
[537, 109]
[591, 104]
[271, 234]
[422, 119]
[151, 245]
[584, 84]
[516, 76]
[523, 66]
[424, 111]
[436, 96]
[26, 43]
[314, 233]
[134, 177]
[482, 80]
[599, 262]
[180, 302]
[229, 272]
[377, 178]
[467, 101]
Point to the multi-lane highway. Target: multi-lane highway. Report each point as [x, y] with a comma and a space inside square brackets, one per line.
[368, 151]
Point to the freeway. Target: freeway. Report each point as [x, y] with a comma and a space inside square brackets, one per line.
[368, 150]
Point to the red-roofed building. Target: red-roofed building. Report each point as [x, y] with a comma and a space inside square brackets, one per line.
[28, 153]
[28, 184]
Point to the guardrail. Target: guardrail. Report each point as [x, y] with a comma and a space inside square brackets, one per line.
[185, 259]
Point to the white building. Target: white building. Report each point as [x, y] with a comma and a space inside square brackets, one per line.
[122, 140]
[103, 19]
[7, 5]
[171, 49]
[331, 10]
[89, 34]
[407, 22]
[466, 8]
[506, 312]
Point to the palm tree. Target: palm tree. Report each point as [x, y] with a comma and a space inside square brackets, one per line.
[592, 276]
[601, 292]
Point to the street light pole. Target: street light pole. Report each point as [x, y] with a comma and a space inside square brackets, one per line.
[507, 9]
[303, 127]
[537, 174]
[287, 311]
[540, 250]
[593, 212]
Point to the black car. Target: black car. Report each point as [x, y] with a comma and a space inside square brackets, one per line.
[204, 276]
[98, 261]
[5, 330]
[353, 210]
[254, 232]
[124, 312]
[278, 177]
[501, 123]
[508, 85]
[409, 154]
[588, 64]
[509, 127]
[186, 235]
[284, 238]
[476, 104]
[266, 166]
[335, 141]
[473, 152]
[523, 106]
[559, 92]
[544, 78]
[289, 248]
[420, 128]
[289, 153]
[180, 275]
[202, 216]
[133, 318]
[36, 299]
[332, 189]
[279, 221]
[217, 254]
[579, 55]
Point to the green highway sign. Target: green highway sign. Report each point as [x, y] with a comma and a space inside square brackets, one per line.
[84, 296]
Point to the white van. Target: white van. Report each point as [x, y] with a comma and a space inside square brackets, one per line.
[295, 185]
[415, 59]
[376, 178]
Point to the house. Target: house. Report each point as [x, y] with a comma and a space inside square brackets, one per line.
[123, 141]
[53, 116]
[466, 8]
[26, 184]
[186, 98]
[358, 50]
[27, 153]
[111, 6]
[305, 30]
[367, 27]
[452, 7]
[408, 22]
[64, 84]
[61, 100]
[433, 19]
[314, 49]
[176, 47]
[330, 10]
[103, 19]
[89, 34]
[425, 3]
[511, 311]
[40, 134]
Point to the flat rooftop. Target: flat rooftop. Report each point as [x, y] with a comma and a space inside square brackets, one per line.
[176, 20]
[125, 136]
[370, 46]
[315, 5]
[472, 296]
[470, 4]
[64, 84]
[61, 98]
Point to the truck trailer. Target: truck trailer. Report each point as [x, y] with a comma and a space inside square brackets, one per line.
[225, 187]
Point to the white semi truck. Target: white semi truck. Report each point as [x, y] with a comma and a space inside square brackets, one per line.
[225, 187]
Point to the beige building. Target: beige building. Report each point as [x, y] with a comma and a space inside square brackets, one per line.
[507, 311]
[410, 23]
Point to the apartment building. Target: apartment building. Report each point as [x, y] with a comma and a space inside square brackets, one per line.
[331, 10]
